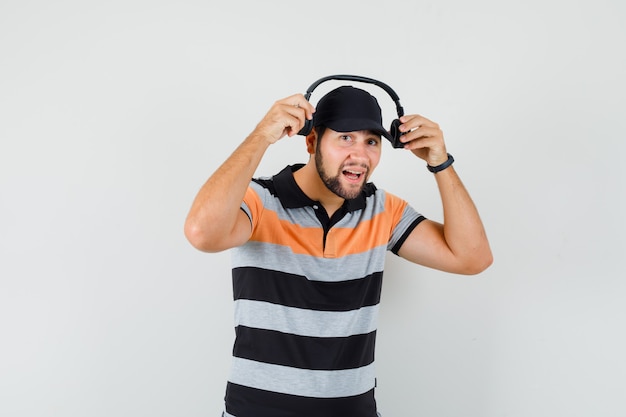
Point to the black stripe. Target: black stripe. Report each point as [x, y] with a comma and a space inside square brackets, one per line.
[406, 234]
[250, 402]
[276, 287]
[304, 352]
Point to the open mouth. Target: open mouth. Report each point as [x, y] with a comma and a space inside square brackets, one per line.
[352, 175]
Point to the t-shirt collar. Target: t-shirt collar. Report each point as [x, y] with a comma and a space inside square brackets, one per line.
[292, 196]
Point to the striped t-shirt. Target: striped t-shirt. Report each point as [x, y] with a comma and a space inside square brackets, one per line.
[307, 290]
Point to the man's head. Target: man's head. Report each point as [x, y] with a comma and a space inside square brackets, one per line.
[349, 109]
[346, 140]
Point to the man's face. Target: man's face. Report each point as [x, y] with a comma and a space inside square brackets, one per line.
[346, 160]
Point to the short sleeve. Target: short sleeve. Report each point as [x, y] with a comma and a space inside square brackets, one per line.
[406, 218]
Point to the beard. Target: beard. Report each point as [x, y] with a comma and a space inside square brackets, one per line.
[333, 183]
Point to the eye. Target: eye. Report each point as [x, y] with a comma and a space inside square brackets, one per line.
[345, 140]
[373, 141]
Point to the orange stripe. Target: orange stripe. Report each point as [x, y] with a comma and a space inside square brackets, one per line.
[301, 240]
[339, 242]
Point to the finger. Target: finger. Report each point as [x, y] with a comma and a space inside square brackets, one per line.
[422, 132]
[307, 108]
[422, 142]
[300, 102]
[294, 120]
[295, 110]
[282, 119]
[415, 121]
[417, 117]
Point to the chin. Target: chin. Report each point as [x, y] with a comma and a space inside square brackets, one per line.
[351, 193]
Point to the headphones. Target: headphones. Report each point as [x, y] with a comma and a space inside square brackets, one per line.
[393, 130]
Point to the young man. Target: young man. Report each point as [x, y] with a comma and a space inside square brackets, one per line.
[310, 245]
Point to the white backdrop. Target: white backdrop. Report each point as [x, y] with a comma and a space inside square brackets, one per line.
[112, 115]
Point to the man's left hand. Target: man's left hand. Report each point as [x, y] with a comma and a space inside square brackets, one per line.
[424, 138]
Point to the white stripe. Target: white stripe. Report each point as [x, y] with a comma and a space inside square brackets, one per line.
[301, 322]
[303, 382]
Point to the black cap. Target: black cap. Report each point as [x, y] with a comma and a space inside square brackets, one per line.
[349, 109]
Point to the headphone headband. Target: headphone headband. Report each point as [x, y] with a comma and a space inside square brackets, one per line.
[361, 79]
[394, 129]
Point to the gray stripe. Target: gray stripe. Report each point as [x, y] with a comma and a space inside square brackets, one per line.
[304, 382]
[281, 258]
[374, 206]
[408, 217]
[268, 316]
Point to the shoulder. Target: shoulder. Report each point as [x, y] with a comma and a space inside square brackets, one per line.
[378, 196]
[264, 183]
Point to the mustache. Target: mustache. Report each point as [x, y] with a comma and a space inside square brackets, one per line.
[353, 165]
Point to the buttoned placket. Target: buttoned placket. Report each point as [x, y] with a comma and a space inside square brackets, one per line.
[329, 245]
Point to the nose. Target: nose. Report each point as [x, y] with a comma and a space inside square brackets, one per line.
[358, 151]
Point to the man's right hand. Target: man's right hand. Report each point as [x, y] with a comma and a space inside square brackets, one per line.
[285, 118]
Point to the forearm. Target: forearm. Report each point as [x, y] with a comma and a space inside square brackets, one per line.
[463, 229]
[215, 210]
[214, 221]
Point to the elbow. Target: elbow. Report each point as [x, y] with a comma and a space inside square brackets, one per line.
[198, 237]
[478, 263]
[194, 235]
[207, 237]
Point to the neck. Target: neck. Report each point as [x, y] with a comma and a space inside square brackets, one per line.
[309, 181]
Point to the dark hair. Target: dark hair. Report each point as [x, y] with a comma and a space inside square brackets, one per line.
[320, 129]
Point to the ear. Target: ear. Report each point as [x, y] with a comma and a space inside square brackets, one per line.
[311, 142]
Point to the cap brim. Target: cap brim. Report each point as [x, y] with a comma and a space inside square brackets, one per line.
[354, 125]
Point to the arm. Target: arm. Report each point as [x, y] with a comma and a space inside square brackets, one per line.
[460, 244]
[215, 221]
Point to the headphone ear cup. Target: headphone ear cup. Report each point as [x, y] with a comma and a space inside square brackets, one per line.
[306, 129]
[394, 130]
